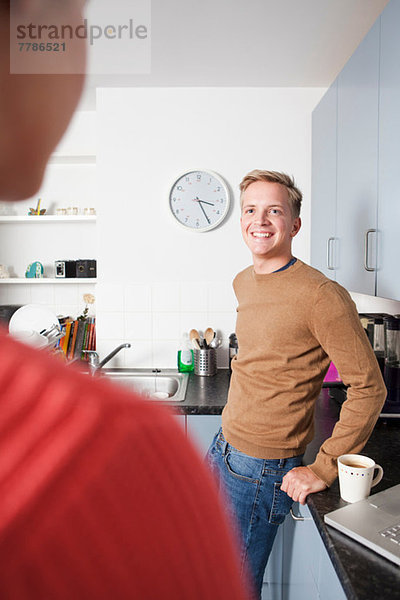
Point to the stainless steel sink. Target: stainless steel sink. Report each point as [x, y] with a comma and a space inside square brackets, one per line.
[166, 385]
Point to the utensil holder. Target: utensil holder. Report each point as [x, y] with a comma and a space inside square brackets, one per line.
[205, 362]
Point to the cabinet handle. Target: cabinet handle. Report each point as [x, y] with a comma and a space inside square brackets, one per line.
[298, 517]
[366, 250]
[329, 253]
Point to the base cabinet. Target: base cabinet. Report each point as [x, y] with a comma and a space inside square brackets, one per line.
[307, 571]
[299, 567]
[201, 430]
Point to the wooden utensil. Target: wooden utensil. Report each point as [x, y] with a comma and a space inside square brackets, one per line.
[195, 338]
[209, 335]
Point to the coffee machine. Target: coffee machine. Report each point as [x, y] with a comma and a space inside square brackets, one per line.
[391, 371]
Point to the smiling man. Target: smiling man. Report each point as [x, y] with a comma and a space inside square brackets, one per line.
[291, 322]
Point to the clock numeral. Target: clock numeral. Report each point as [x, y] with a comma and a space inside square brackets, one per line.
[218, 212]
[198, 177]
[218, 188]
[179, 187]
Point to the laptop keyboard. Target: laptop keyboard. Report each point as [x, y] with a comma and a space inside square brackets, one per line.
[393, 533]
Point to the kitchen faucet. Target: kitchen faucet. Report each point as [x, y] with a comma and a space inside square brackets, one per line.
[94, 359]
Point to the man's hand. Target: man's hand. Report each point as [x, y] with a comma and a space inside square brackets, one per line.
[301, 481]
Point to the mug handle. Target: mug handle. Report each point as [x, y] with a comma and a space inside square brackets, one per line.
[378, 476]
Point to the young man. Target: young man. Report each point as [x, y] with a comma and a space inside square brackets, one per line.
[291, 322]
[101, 495]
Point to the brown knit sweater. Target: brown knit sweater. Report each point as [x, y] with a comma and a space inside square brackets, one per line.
[290, 324]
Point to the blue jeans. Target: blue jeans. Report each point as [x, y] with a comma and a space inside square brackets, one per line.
[254, 500]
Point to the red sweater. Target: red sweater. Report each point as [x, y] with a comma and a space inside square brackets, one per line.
[101, 495]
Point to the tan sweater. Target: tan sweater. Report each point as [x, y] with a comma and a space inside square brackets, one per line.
[290, 324]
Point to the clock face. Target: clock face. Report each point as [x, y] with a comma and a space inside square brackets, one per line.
[199, 200]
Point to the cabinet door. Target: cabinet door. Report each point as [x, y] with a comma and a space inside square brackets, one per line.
[357, 161]
[388, 282]
[308, 573]
[201, 429]
[323, 196]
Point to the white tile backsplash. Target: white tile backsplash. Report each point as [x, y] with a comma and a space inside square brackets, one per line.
[165, 354]
[110, 297]
[65, 293]
[154, 317]
[19, 294]
[137, 297]
[166, 326]
[104, 347]
[43, 294]
[138, 325]
[110, 325]
[223, 322]
[140, 355]
[221, 297]
[193, 320]
[165, 296]
[193, 297]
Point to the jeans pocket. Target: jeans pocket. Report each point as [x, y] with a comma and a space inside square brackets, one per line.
[281, 504]
[242, 467]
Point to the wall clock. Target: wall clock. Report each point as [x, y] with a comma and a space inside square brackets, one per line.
[199, 200]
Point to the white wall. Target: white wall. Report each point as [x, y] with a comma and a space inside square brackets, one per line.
[158, 280]
[70, 182]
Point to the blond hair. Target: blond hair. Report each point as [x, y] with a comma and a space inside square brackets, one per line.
[295, 195]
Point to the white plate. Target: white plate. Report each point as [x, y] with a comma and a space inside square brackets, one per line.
[32, 317]
[32, 338]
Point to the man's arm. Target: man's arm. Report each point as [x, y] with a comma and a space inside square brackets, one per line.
[337, 327]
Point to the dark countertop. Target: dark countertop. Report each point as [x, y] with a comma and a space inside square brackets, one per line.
[363, 573]
[205, 395]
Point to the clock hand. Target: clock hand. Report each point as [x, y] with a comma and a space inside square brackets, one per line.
[205, 202]
[208, 220]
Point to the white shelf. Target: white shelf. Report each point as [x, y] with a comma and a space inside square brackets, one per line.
[44, 280]
[46, 218]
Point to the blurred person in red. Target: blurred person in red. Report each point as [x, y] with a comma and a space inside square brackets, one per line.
[101, 495]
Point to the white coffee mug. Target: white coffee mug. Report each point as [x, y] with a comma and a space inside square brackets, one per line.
[356, 476]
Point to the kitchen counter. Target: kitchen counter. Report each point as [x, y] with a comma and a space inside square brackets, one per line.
[363, 573]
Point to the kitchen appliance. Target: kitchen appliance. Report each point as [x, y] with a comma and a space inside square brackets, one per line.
[391, 371]
[373, 324]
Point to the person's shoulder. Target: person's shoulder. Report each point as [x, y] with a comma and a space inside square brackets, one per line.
[319, 284]
[309, 277]
[243, 276]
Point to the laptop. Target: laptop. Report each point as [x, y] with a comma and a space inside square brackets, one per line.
[374, 522]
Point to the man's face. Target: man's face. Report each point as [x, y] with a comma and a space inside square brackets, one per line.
[267, 223]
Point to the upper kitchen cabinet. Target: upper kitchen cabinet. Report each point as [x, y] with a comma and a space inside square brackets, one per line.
[323, 205]
[357, 160]
[364, 246]
[388, 282]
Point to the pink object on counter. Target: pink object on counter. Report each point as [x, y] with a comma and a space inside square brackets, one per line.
[332, 374]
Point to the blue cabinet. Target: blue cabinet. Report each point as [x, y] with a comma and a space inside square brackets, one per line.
[323, 196]
[354, 167]
[388, 282]
[357, 160]
[201, 430]
[308, 573]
